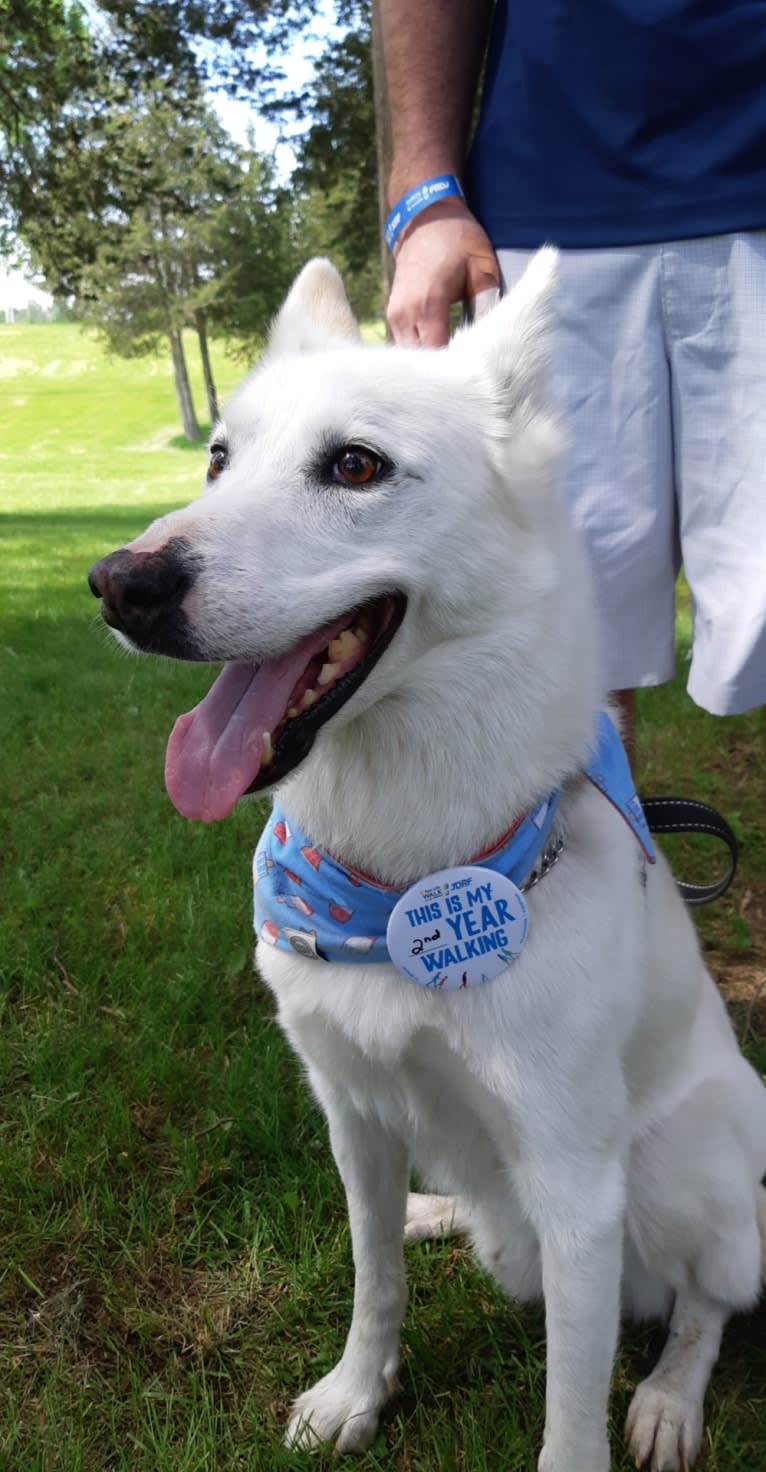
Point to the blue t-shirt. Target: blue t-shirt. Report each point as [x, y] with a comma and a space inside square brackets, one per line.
[615, 122]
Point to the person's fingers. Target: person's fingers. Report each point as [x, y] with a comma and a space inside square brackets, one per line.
[482, 272]
[422, 324]
[400, 314]
[444, 258]
[403, 330]
[433, 329]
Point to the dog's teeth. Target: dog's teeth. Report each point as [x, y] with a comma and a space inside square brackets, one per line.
[310, 697]
[361, 633]
[328, 673]
[267, 750]
[292, 712]
[343, 647]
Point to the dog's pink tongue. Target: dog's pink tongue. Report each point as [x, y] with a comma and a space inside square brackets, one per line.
[215, 750]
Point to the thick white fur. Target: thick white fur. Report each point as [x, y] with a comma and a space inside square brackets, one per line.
[589, 1108]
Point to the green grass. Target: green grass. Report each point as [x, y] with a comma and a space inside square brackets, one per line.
[175, 1262]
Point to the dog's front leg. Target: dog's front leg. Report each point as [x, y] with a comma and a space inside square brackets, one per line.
[345, 1405]
[582, 1262]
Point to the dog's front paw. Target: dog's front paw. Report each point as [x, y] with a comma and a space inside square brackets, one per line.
[664, 1427]
[341, 1408]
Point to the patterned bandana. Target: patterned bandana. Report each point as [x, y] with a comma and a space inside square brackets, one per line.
[306, 901]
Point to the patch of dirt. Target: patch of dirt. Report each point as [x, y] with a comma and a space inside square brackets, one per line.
[740, 978]
[156, 1314]
[741, 972]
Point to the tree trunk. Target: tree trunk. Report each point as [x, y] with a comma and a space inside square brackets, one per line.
[183, 387]
[180, 372]
[382, 147]
[207, 367]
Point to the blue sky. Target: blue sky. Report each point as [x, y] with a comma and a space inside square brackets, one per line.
[298, 66]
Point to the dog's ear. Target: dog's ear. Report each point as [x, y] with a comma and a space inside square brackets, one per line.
[511, 344]
[316, 312]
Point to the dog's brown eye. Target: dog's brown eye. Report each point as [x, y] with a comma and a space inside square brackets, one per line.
[356, 467]
[218, 461]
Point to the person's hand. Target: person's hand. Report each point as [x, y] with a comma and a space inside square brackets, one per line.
[444, 257]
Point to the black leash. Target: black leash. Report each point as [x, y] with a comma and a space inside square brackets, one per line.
[683, 815]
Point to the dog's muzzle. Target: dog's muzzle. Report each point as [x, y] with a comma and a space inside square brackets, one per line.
[142, 595]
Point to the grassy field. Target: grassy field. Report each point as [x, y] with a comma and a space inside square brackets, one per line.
[175, 1262]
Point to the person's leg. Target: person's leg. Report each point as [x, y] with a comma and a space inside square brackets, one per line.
[714, 295]
[611, 380]
[625, 700]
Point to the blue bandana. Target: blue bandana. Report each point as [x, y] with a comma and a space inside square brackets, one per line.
[306, 901]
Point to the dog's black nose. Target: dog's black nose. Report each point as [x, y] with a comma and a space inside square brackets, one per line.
[140, 589]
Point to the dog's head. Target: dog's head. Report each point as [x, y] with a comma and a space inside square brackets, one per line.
[362, 505]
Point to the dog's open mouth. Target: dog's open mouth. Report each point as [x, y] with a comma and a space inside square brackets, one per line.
[257, 722]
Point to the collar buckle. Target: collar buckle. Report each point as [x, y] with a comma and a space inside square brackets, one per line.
[549, 856]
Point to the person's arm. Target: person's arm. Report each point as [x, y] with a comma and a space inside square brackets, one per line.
[432, 55]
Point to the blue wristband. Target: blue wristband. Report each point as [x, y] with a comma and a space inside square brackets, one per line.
[442, 186]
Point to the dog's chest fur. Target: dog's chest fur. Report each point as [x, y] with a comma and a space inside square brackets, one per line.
[463, 1076]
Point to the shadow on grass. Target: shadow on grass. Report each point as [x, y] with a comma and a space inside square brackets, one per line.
[83, 518]
[180, 442]
[47, 557]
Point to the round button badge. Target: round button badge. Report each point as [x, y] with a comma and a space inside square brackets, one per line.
[458, 928]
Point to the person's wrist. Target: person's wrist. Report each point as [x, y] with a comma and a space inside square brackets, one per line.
[418, 201]
[441, 210]
[407, 173]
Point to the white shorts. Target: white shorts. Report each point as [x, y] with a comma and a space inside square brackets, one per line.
[660, 367]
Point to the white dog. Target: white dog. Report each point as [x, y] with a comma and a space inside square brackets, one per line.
[383, 564]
